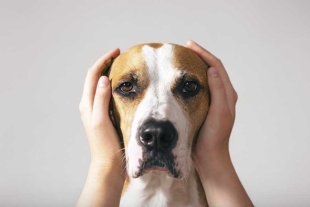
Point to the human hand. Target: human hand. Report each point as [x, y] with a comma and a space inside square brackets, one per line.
[211, 153]
[106, 177]
[94, 108]
[214, 135]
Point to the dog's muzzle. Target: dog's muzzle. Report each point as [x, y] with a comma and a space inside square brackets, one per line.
[157, 139]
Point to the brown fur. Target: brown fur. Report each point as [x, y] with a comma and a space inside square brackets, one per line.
[130, 64]
[126, 66]
[197, 107]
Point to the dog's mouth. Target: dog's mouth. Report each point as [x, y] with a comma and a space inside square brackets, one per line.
[157, 161]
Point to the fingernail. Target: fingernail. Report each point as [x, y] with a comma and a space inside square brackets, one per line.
[103, 81]
[213, 72]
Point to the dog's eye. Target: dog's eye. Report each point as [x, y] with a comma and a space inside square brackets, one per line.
[189, 86]
[126, 87]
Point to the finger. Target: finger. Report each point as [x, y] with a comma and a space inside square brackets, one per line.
[207, 56]
[215, 62]
[104, 140]
[92, 78]
[219, 107]
[211, 60]
[100, 113]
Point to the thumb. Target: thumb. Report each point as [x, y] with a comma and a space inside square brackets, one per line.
[100, 112]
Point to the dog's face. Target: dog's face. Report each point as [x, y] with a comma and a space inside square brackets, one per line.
[160, 100]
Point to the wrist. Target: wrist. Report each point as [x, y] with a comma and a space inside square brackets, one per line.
[107, 167]
[108, 161]
[100, 176]
[104, 185]
[216, 173]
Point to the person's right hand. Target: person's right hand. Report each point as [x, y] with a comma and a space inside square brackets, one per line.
[106, 176]
[94, 108]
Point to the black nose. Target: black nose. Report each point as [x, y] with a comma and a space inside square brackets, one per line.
[158, 135]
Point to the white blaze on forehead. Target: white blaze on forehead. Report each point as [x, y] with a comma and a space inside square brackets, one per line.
[162, 74]
[159, 103]
[160, 71]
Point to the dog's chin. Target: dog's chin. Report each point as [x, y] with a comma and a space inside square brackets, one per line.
[158, 171]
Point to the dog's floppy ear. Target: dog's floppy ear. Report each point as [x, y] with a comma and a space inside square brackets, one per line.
[107, 67]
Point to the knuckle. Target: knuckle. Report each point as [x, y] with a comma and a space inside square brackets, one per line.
[219, 63]
[90, 71]
[218, 60]
[83, 111]
[81, 107]
[236, 96]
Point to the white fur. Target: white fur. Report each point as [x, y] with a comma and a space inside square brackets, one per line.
[153, 189]
[159, 103]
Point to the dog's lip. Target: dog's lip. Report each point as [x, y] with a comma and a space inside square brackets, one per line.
[163, 169]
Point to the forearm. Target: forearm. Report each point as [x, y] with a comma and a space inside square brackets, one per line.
[103, 187]
[221, 183]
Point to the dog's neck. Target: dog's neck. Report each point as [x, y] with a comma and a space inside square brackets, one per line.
[158, 189]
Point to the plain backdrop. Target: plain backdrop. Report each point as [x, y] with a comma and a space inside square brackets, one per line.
[46, 48]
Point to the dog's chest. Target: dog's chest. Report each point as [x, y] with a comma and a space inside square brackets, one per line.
[161, 191]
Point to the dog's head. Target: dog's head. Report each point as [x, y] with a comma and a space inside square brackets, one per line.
[160, 100]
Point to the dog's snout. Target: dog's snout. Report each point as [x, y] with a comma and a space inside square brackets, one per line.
[158, 135]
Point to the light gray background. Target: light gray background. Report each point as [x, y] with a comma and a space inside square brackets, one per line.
[46, 48]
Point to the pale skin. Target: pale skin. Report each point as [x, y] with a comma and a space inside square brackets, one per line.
[211, 156]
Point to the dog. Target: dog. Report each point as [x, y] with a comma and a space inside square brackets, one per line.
[160, 99]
